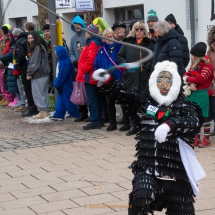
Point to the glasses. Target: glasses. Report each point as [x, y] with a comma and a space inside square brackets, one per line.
[139, 29]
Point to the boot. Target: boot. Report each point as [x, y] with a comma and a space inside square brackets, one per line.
[111, 127]
[41, 115]
[5, 103]
[196, 142]
[125, 127]
[19, 109]
[30, 112]
[3, 100]
[132, 131]
[80, 118]
[205, 143]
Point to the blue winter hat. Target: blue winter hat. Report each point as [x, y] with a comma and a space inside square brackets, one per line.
[152, 16]
[93, 28]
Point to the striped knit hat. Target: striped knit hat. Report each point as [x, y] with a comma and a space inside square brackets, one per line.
[93, 28]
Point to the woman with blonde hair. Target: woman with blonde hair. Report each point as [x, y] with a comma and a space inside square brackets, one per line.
[106, 58]
[168, 46]
[137, 80]
[199, 78]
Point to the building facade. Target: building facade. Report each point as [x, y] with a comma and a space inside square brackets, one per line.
[194, 16]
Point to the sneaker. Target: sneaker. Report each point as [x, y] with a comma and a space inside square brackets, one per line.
[5, 103]
[91, 126]
[13, 102]
[19, 109]
[205, 143]
[212, 133]
[18, 104]
[41, 115]
[124, 128]
[55, 118]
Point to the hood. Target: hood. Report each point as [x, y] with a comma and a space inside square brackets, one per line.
[179, 30]
[23, 34]
[95, 39]
[10, 35]
[176, 83]
[78, 20]
[61, 52]
[172, 34]
[211, 36]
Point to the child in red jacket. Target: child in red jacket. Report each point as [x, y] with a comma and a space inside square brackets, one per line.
[199, 78]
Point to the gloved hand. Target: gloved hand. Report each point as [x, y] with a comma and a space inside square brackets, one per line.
[161, 132]
[185, 79]
[75, 64]
[100, 76]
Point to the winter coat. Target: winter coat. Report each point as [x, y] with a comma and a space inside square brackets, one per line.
[184, 43]
[2, 44]
[11, 83]
[38, 64]
[169, 48]
[21, 52]
[137, 80]
[78, 36]
[103, 61]
[86, 60]
[65, 75]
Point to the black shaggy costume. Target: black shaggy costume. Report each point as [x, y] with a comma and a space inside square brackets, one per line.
[160, 179]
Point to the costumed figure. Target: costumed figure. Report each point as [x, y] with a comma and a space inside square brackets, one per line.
[166, 171]
[63, 82]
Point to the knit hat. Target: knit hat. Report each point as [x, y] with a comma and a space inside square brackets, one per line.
[46, 27]
[93, 28]
[199, 50]
[5, 28]
[118, 24]
[171, 18]
[152, 16]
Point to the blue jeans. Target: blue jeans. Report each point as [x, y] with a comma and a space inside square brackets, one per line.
[94, 102]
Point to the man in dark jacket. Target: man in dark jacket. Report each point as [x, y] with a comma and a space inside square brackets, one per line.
[119, 30]
[181, 38]
[168, 46]
[21, 63]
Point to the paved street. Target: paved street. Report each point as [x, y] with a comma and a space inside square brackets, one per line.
[57, 169]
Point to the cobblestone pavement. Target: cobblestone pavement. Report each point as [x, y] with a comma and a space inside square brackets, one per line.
[57, 169]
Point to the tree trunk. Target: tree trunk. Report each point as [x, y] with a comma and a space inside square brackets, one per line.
[90, 16]
[42, 13]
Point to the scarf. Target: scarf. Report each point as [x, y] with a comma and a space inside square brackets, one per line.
[15, 70]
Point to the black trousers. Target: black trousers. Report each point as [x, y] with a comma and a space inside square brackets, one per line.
[111, 109]
[27, 88]
[83, 110]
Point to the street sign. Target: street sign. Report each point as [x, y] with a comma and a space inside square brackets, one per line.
[64, 3]
[84, 5]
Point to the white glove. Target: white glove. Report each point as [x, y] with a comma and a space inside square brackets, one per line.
[161, 132]
[97, 75]
[185, 79]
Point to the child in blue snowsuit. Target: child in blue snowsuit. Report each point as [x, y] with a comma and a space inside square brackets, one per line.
[63, 82]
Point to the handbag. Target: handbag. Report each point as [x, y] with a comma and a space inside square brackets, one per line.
[79, 96]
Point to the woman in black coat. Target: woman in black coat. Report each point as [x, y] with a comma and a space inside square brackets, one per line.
[137, 80]
[168, 47]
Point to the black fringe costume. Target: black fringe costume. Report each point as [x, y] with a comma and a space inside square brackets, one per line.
[155, 159]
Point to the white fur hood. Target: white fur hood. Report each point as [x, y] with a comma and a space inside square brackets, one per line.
[176, 83]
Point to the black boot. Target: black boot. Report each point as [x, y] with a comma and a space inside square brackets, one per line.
[111, 127]
[80, 118]
[132, 131]
[30, 112]
[125, 127]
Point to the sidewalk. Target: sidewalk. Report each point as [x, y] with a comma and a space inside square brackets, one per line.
[70, 171]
